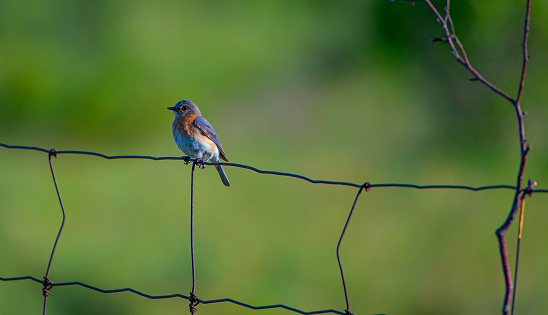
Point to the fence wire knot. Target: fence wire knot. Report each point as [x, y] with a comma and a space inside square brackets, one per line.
[530, 188]
[347, 312]
[53, 152]
[47, 286]
[194, 301]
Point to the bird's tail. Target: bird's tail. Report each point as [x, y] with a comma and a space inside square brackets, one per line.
[223, 175]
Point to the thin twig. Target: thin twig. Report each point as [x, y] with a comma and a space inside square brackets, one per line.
[501, 231]
[457, 49]
[525, 50]
[524, 149]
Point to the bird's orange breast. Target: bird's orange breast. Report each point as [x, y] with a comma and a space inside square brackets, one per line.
[185, 126]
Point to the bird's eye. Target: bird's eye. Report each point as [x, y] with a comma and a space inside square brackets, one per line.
[184, 108]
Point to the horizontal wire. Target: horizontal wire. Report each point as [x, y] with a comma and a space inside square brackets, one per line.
[251, 168]
[177, 295]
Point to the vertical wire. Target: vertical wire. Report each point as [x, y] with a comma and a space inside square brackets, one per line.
[517, 252]
[365, 185]
[193, 299]
[47, 283]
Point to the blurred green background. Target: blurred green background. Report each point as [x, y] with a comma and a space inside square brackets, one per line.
[336, 90]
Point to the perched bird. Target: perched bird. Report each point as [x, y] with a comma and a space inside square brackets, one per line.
[195, 136]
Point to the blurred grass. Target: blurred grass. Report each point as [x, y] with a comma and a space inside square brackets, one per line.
[350, 91]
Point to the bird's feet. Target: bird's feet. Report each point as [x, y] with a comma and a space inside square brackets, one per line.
[200, 163]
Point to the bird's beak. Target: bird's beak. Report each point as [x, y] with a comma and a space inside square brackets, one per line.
[172, 108]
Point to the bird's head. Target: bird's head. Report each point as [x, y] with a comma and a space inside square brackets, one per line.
[185, 108]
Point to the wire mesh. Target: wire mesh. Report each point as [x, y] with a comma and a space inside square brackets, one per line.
[194, 301]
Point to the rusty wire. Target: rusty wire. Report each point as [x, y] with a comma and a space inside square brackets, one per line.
[192, 298]
[256, 170]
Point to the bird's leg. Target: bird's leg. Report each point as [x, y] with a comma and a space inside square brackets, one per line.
[186, 159]
[200, 163]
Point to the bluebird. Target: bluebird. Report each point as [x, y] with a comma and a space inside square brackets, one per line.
[195, 136]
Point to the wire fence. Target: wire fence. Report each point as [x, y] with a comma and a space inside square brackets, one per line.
[521, 191]
[194, 301]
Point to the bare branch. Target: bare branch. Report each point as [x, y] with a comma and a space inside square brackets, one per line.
[457, 49]
[459, 53]
[525, 52]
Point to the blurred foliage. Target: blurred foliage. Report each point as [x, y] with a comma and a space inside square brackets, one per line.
[349, 90]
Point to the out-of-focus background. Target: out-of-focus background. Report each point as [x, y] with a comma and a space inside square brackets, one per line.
[347, 91]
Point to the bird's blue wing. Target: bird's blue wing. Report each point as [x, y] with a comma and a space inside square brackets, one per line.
[206, 128]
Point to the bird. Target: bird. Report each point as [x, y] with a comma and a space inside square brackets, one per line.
[196, 137]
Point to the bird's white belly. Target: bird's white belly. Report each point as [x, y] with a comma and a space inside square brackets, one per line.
[196, 149]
